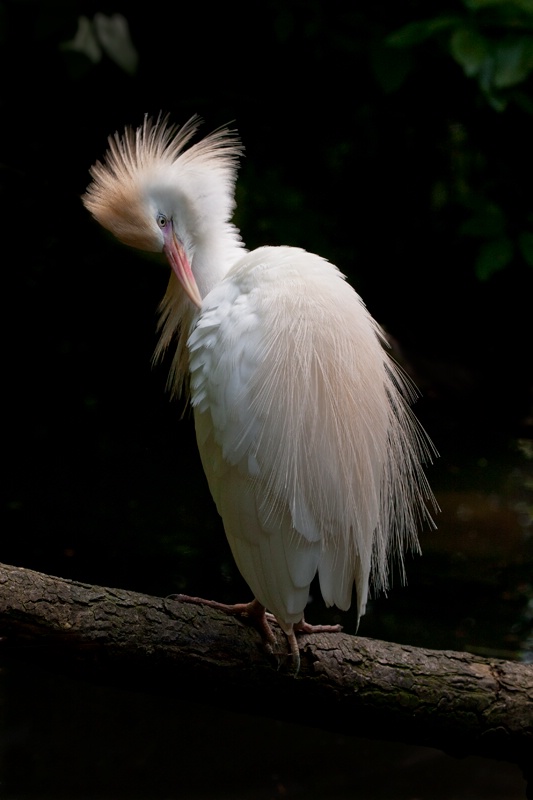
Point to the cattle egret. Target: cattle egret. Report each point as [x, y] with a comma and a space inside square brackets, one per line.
[312, 454]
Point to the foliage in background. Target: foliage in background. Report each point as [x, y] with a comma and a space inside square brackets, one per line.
[492, 41]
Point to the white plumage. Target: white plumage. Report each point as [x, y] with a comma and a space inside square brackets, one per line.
[312, 454]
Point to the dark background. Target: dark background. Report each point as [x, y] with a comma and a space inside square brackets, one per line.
[395, 140]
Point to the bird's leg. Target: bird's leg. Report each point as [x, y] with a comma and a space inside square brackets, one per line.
[294, 652]
[291, 632]
[305, 627]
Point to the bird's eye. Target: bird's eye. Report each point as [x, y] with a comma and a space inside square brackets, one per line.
[162, 221]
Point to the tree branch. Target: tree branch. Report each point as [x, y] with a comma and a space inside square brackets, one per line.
[454, 701]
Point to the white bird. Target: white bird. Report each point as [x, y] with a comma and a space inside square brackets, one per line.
[312, 454]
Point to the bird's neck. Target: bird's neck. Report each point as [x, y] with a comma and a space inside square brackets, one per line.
[214, 255]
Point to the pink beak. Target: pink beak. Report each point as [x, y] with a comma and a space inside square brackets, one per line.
[177, 258]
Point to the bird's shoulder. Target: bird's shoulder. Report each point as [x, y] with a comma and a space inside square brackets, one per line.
[276, 311]
[281, 272]
[278, 288]
[279, 348]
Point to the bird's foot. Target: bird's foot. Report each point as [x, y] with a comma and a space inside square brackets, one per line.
[256, 614]
[305, 627]
[252, 611]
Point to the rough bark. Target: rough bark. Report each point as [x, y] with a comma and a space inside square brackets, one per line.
[454, 701]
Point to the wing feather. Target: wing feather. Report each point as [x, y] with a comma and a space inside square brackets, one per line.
[311, 452]
[277, 563]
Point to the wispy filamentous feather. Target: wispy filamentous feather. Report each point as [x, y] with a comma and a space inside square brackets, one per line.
[306, 403]
[175, 318]
[155, 144]
[142, 160]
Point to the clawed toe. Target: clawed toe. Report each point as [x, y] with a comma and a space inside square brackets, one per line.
[256, 614]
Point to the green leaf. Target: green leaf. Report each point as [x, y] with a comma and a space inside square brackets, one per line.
[525, 242]
[493, 256]
[470, 49]
[85, 41]
[514, 61]
[416, 32]
[114, 35]
[487, 222]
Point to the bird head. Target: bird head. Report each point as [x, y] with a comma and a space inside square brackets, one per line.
[155, 195]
